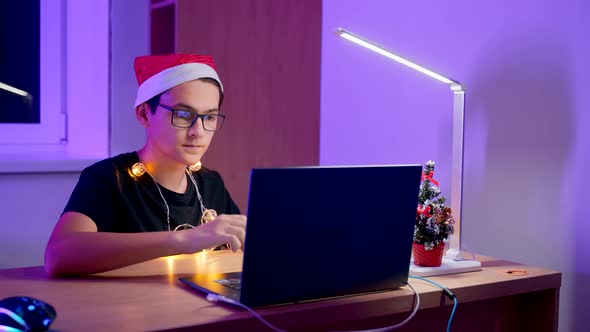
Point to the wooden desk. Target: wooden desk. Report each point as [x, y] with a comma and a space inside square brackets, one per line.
[148, 296]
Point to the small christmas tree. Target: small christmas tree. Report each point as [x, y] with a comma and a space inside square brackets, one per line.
[434, 222]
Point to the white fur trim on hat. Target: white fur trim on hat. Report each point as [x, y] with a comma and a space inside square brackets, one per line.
[171, 77]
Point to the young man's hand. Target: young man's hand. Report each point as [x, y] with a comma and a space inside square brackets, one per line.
[225, 228]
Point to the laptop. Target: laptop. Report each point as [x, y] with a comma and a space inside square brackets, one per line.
[322, 232]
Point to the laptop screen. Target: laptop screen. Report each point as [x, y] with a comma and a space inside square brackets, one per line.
[317, 232]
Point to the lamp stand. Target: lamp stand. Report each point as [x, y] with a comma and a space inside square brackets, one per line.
[453, 262]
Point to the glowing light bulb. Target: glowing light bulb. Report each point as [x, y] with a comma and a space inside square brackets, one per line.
[138, 169]
[196, 167]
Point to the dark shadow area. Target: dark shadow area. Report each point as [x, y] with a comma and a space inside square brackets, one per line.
[581, 289]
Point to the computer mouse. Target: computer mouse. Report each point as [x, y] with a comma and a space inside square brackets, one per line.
[26, 313]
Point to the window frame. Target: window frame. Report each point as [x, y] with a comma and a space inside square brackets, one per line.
[76, 93]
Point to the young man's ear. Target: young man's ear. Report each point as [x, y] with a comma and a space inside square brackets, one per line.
[141, 112]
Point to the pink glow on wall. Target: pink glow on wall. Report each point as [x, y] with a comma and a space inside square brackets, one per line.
[88, 77]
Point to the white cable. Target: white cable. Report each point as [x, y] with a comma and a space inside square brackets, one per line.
[396, 326]
[215, 298]
[447, 292]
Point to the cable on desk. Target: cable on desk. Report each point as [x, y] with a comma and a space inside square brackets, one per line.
[398, 325]
[216, 298]
[447, 293]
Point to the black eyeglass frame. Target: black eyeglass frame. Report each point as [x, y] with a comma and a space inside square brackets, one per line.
[197, 117]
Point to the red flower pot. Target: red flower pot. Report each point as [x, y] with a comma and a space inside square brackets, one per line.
[423, 257]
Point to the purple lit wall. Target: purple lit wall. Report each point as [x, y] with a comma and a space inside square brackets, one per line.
[525, 65]
[87, 82]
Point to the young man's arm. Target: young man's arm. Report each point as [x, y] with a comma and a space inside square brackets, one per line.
[76, 248]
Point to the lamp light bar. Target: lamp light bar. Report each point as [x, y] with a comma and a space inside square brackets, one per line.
[378, 49]
[454, 261]
[13, 90]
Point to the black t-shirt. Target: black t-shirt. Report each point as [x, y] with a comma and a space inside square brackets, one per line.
[117, 201]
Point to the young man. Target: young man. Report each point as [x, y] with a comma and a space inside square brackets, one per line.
[157, 201]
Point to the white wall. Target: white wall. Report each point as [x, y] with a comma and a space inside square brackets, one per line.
[129, 38]
[30, 205]
[525, 65]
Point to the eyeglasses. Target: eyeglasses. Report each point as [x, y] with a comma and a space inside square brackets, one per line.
[186, 119]
[21, 313]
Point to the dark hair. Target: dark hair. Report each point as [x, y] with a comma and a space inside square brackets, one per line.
[154, 101]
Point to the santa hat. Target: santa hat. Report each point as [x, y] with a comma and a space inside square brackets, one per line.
[158, 73]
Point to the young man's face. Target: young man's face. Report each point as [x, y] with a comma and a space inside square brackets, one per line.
[183, 145]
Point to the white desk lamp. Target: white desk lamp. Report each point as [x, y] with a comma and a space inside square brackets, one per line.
[453, 262]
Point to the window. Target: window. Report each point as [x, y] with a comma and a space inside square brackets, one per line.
[32, 39]
[19, 61]
[73, 77]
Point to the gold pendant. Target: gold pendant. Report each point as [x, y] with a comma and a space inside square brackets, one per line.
[208, 215]
[195, 167]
